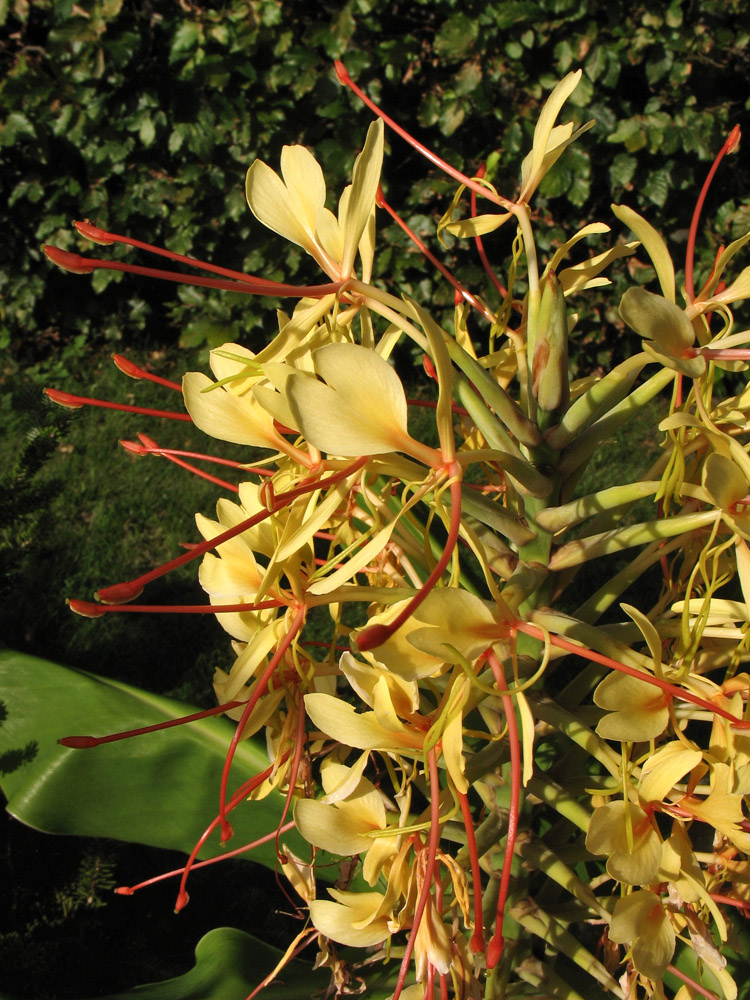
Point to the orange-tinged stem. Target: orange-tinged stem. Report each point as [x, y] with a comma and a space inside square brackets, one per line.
[495, 949]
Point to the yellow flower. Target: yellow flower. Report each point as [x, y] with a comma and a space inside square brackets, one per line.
[293, 205]
[641, 921]
[638, 710]
[622, 831]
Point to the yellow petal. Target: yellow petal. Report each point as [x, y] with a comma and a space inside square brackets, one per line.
[654, 245]
[641, 919]
[331, 829]
[633, 860]
[228, 417]
[365, 178]
[641, 709]
[724, 481]
[664, 769]
[360, 411]
[341, 721]
[352, 919]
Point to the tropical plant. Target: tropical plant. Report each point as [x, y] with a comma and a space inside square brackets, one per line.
[511, 772]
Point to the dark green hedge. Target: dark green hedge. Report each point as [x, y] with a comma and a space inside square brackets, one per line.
[143, 116]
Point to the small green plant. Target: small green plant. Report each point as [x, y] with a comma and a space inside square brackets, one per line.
[530, 773]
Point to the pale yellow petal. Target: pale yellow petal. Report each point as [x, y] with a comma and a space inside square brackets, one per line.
[351, 921]
[228, 417]
[665, 768]
[365, 179]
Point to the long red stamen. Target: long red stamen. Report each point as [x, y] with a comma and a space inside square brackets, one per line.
[239, 796]
[259, 690]
[463, 291]
[376, 635]
[692, 983]
[432, 847]
[299, 745]
[120, 593]
[149, 445]
[497, 943]
[85, 265]
[720, 353]
[155, 449]
[103, 238]
[732, 140]
[75, 402]
[432, 405]
[344, 78]
[129, 890]
[480, 245]
[87, 742]
[670, 689]
[87, 609]
[132, 370]
[477, 942]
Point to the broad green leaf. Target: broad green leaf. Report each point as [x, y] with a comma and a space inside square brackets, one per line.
[160, 789]
[229, 964]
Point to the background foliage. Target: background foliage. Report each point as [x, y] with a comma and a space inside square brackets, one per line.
[143, 117]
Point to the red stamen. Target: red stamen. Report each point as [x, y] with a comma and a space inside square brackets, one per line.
[732, 140]
[123, 593]
[129, 890]
[85, 265]
[432, 404]
[670, 689]
[429, 870]
[460, 289]
[692, 983]
[299, 745]
[375, 635]
[87, 742]
[344, 78]
[258, 691]
[74, 402]
[497, 943]
[150, 445]
[132, 370]
[88, 609]
[480, 245]
[477, 942]
[239, 796]
[107, 239]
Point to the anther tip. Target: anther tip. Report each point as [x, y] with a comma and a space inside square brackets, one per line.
[119, 593]
[93, 233]
[182, 901]
[126, 366]
[371, 637]
[63, 399]
[87, 609]
[125, 890]
[79, 742]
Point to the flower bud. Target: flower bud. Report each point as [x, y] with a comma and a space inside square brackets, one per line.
[549, 349]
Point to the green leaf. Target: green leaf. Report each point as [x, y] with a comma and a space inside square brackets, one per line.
[160, 789]
[187, 37]
[456, 37]
[229, 964]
